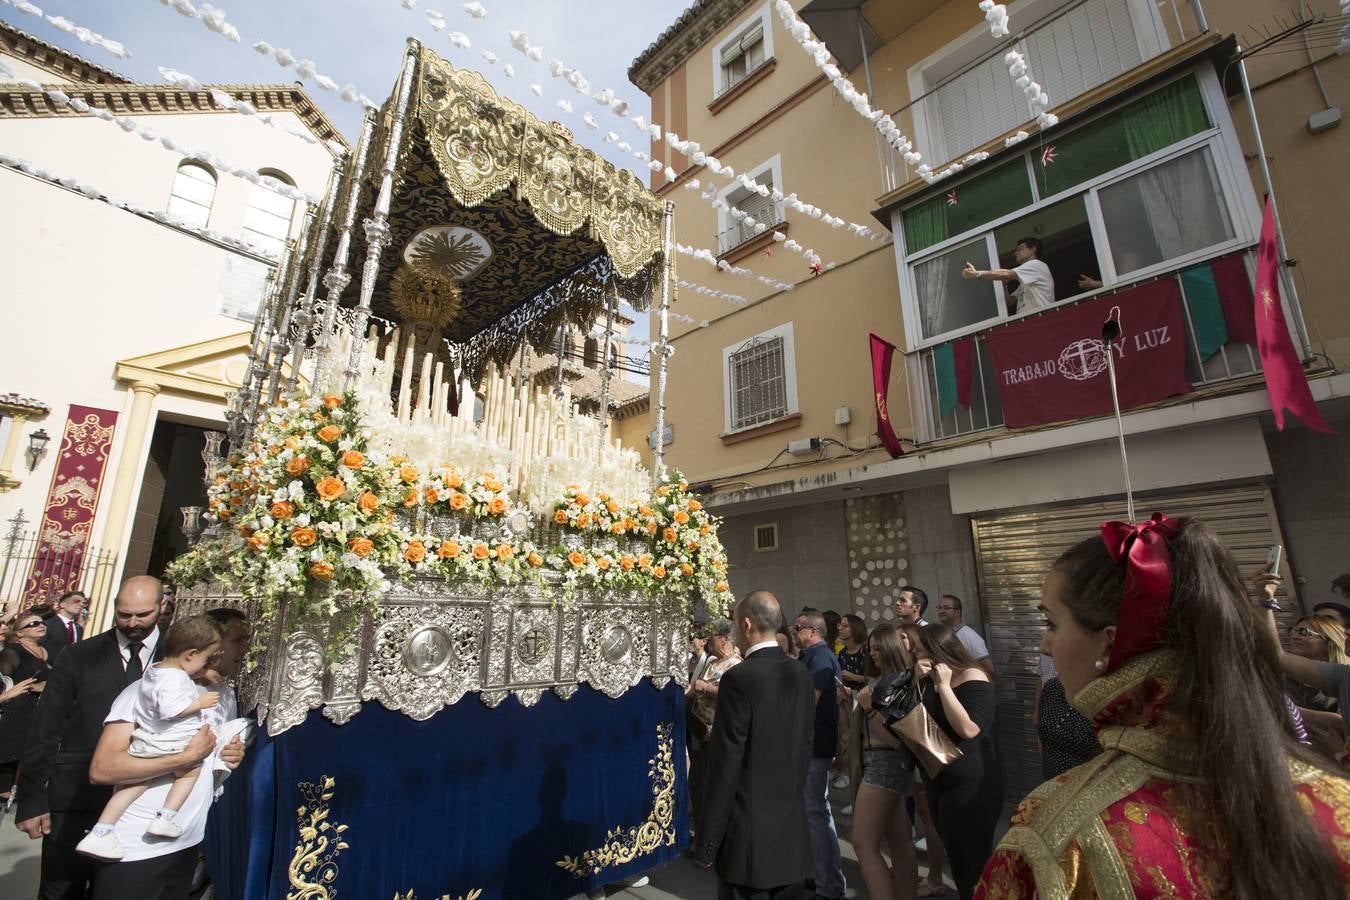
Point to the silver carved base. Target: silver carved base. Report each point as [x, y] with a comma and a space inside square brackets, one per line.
[430, 644]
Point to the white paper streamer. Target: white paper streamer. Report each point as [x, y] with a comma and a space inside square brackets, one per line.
[80, 33]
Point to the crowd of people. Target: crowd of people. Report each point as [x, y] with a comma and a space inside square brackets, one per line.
[1167, 707]
[112, 745]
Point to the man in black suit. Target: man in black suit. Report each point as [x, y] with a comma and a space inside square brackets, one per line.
[56, 800]
[64, 628]
[751, 820]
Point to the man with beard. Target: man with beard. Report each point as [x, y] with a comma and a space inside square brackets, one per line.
[56, 800]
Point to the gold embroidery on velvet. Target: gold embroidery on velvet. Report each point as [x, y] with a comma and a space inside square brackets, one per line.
[1107, 876]
[471, 895]
[313, 867]
[1101, 692]
[484, 143]
[623, 846]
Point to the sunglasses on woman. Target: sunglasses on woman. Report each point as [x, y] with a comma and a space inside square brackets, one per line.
[1304, 632]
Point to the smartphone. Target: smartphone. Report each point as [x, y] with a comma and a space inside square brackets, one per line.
[1275, 557]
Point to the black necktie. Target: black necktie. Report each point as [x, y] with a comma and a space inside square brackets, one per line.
[134, 667]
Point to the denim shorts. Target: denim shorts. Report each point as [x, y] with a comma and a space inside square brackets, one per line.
[889, 770]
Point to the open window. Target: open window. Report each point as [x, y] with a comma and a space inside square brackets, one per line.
[1067, 246]
[743, 53]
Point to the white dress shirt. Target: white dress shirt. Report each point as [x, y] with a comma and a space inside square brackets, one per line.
[147, 651]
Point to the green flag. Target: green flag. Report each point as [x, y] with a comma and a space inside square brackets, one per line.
[1202, 300]
[945, 363]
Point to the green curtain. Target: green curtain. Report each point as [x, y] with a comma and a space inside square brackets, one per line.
[926, 224]
[1164, 117]
[945, 363]
[981, 199]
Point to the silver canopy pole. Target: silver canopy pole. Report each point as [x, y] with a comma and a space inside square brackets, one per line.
[306, 307]
[661, 349]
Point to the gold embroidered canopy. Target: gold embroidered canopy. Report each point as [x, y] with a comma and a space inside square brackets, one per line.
[530, 226]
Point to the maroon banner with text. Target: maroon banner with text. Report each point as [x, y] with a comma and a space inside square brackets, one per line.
[1053, 368]
[72, 502]
[882, 351]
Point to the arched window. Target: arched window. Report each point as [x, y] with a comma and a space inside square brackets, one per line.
[267, 223]
[194, 187]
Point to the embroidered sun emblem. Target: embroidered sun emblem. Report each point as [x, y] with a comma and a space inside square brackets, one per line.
[448, 252]
[1267, 299]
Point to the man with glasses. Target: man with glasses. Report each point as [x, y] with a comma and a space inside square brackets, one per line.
[823, 665]
[949, 613]
[64, 628]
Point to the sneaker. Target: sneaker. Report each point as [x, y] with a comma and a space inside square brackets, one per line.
[641, 882]
[101, 846]
[847, 810]
[165, 828]
[840, 781]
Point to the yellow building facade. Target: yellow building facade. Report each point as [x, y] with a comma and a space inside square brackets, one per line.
[771, 405]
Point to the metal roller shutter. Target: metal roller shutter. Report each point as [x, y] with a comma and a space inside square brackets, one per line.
[1013, 553]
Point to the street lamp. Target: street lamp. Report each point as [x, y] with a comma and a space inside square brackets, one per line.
[37, 445]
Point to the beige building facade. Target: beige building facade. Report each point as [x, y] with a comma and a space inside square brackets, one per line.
[1151, 175]
[126, 325]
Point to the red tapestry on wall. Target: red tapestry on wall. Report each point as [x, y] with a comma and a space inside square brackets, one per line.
[72, 500]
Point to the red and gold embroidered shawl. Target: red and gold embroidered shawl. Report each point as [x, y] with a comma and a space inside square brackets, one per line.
[1133, 822]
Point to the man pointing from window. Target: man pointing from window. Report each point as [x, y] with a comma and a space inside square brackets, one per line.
[1035, 285]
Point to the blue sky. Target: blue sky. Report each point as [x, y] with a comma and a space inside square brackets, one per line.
[361, 42]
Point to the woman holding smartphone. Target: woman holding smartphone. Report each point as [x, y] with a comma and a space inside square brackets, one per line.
[24, 660]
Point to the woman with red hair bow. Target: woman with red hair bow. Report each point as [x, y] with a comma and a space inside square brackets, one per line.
[1201, 790]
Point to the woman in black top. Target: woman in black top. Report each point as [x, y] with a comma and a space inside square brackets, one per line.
[25, 662]
[967, 796]
[853, 655]
[1067, 737]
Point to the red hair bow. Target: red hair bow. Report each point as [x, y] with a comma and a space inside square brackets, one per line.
[1148, 584]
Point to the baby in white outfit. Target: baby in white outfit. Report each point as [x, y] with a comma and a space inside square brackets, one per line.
[168, 712]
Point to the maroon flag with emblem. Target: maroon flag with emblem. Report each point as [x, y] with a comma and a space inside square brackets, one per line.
[1285, 381]
[881, 379]
[1053, 368]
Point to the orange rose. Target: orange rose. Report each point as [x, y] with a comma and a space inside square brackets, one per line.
[492, 484]
[452, 480]
[659, 571]
[330, 488]
[297, 465]
[694, 505]
[321, 570]
[626, 562]
[458, 500]
[617, 528]
[410, 497]
[663, 491]
[415, 552]
[612, 507]
[273, 451]
[560, 517]
[353, 459]
[481, 552]
[258, 541]
[331, 401]
[670, 535]
[645, 561]
[644, 510]
[497, 506]
[584, 520]
[505, 551]
[292, 442]
[235, 502]
[721, 587]
[407, 474]
[684, 485]
[397, 460]
[577, 559]
[431, 495]
[448, 549]
[367, 502]
[651, 528]
[304, 537]
[582, 499]
[686, 569]
[681, 517]
[223, 515]
[602, 562]
[361, 546]
[282, 509]
[534, 559]
[330, 433]
[704, 530]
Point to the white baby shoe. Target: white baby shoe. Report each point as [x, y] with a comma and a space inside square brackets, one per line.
[162, 827]
[101, 846]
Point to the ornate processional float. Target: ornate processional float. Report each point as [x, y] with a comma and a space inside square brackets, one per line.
[396, 554]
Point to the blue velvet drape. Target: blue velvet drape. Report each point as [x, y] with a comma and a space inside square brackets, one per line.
[473, 798]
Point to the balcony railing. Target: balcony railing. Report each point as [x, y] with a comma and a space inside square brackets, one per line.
[1072, 50]
[733, 237]
[1232, 361]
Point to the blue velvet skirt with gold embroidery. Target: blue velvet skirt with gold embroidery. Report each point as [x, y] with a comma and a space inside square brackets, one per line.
[512, 803]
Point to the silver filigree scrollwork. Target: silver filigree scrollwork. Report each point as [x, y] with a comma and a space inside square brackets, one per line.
[565, 691]
[342, 700]
[614, 676]
[300, 687]
[426, 653]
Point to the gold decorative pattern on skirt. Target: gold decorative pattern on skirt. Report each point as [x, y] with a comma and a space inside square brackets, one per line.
[313, 867]
[471, 895]
[623, 846]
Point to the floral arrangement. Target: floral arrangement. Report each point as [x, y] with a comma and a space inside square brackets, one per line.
[314, 515]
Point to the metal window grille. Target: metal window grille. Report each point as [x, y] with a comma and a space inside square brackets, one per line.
[766, 211]
[766, 537]
[758, 382]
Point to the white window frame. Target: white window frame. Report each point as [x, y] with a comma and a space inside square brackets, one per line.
[761, 17]
[1230, 168]
[251, 234]
[773, 166]
[186, 163]
[1149, 31]
[772, 527]
[783, 331]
